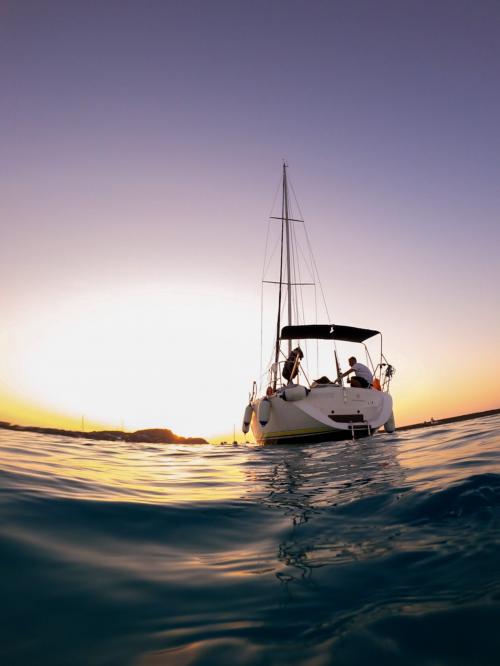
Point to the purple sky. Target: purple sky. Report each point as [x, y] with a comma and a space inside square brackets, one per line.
[143, 141]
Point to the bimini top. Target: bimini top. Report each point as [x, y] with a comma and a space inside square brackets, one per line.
[327, 332]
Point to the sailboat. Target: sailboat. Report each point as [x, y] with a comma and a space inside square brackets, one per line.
[290, 406]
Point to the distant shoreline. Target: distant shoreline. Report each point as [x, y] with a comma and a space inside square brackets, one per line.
[148, 436]
[450, 419]
[166, 436]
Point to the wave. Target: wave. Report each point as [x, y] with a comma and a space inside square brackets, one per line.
[381, 550]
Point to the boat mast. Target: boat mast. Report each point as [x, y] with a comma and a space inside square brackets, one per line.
[278, 322]
[287, 233]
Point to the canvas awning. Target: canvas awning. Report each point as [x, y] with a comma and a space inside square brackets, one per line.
[327, 332]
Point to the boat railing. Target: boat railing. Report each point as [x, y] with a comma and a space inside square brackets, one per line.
[273, 379]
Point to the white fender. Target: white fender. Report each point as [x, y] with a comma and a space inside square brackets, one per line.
[390, 424]
[293, 393]
[264, 411]
[247, 417]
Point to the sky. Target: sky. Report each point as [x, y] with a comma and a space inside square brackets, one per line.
[141, 148]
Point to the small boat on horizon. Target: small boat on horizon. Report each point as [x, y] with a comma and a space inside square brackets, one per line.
[293, 408]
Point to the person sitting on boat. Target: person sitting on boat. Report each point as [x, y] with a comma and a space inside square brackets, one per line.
[291, 367]
[363, 377]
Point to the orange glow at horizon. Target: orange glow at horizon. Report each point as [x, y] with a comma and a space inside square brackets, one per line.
[128, 360]
[166, 357]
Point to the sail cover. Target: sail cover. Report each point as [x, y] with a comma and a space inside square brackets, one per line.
[327, 332]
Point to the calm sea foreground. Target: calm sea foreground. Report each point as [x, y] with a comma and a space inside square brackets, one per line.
[375, 551]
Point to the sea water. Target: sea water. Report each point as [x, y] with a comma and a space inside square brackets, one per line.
[375, 551]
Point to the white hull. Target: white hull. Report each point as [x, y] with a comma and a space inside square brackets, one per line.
[327, 412]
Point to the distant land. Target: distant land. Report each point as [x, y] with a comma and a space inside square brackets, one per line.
[150, 436]
[166, 436]
[451, 419]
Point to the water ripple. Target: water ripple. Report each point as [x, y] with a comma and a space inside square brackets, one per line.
[383, 550]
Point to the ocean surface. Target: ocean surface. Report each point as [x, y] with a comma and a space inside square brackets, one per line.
[375, 551]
